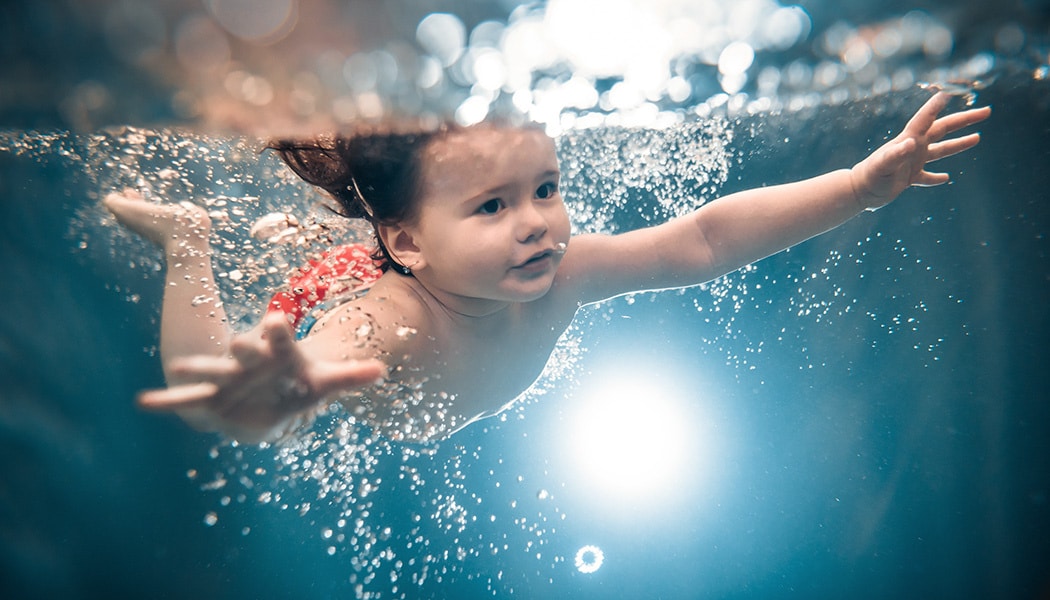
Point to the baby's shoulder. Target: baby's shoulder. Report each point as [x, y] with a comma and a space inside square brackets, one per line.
[387, 317]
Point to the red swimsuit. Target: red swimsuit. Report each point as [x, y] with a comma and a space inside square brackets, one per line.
[340, 269]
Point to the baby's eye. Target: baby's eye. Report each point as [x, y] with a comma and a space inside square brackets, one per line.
[491, 207]
[547, 190]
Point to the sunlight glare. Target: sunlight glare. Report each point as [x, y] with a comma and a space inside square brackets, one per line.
[631, 438]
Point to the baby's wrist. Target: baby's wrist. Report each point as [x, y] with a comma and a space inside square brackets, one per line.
[862, 199]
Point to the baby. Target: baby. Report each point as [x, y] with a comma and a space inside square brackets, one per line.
[473, 278]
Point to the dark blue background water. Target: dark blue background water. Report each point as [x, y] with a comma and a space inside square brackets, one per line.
[878, 471]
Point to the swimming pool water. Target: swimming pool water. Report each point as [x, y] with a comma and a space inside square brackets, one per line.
[874, 401]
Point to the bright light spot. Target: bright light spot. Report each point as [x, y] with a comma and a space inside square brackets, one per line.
[443, 35]
[856, 54]
[786, 27]
[370, 105]
[473, 110]
[605, 42]
[736, 58]
[733, 82]
[430, 73]
[828, 74]
[487, 34]
[888, 42]
[623, 96]
[679, 89]
[487, 68]
[250, 88]
[589, 559]
[526, 48]
[579, 93]
[632, 440]
[522, 100]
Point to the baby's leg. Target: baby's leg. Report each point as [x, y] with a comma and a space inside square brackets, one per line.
[193, 320]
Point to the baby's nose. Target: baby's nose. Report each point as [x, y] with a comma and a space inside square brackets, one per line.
[532, 223]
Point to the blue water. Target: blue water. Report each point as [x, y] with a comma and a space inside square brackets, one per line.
[871, 408]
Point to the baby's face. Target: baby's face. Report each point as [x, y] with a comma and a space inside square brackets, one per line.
[491, 222]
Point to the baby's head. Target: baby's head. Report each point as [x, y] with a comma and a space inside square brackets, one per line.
[382, 174]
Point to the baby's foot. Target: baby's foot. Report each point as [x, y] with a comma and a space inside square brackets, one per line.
[169, 226]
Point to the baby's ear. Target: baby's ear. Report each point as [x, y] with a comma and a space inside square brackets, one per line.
[401, 245]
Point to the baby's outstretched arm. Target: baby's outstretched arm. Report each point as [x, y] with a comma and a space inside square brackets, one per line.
[767, 220]
[745, 227]
[728, 233]
[261, 388]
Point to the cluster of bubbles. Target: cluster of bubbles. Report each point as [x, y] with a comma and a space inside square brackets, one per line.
[660, 173]
[823, 295]
[340, 473]
[402, 517]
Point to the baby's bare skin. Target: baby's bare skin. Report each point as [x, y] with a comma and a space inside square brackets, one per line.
[495, 281]
[169, 226]
[251, 386]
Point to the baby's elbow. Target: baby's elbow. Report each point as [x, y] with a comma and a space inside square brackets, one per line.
[701, 258]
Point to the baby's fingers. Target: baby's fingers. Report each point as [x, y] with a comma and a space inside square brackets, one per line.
[956, 121]
[925, 117]
[927, 179]
[279, 333]
[328, 377]
[178, 397]
[946, 148]
[204, 367]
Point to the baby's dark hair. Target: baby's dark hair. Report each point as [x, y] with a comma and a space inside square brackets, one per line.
[373, 175]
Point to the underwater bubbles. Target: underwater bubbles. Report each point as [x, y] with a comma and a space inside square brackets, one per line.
[733, 63]
[420, 514]
[589, 559]
[443, 35]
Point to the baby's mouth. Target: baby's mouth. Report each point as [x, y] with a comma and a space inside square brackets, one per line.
[535, 259]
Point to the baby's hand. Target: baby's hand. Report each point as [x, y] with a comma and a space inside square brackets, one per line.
[265, 385]
[901, 162]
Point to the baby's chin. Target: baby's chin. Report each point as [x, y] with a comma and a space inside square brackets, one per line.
[531, 295]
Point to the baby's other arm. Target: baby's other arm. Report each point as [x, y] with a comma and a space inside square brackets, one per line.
[263, 386]
[741, 228]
